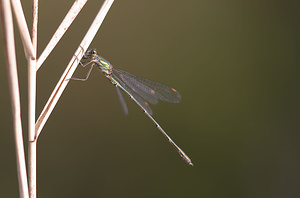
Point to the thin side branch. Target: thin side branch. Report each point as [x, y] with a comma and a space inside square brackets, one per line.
[23, 29]
[62, 83]
[11, 64]
[35, 15]
[61, 30]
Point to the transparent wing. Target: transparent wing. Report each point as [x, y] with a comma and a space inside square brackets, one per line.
[122, 101]
[149, 90]
[138, 98]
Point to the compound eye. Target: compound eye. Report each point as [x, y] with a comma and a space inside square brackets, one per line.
[94, 52]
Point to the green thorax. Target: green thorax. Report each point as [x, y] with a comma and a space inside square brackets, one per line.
[100, 62]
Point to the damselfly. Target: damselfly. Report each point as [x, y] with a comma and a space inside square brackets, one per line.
[140, 90]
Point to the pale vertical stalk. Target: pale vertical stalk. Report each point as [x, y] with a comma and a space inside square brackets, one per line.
[11, 64]
[62, 83]
[32, 167]
[32, 145]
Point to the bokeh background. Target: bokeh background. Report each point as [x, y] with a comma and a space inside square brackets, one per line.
[236, 65]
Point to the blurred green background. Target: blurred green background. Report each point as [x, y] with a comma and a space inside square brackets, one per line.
[236, 65]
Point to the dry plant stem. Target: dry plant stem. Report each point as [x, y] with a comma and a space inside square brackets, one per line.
[34, 23]
[24, 32]
[63, 81]
[63, 27]
[32, 145]
[32, 168]
[31, 127]
[9, 44]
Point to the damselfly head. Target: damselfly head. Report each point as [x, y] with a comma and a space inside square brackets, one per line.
[91, 53]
